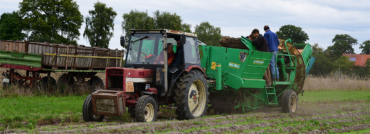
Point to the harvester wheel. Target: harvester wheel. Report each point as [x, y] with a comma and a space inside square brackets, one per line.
[146, 109]
[191, 95]
[289, 103]
[95, 83]
[88, 113]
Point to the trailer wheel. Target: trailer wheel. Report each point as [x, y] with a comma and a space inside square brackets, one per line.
[66, 79]
[289, 101]
[146, 109]
[88, 113]
[95, 83]
[47, 83]
[191, 95]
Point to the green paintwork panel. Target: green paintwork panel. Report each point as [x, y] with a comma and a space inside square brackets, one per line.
[248, 43]
[254, 83]
[306, 54]
[20, 58]
[240, 68]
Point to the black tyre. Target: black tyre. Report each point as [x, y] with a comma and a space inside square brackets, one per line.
[146, 109]
[289, 101]
[95, 83]
[66, 79]
[47, 83]
[88, 113]
[131, 111]
[191, 95]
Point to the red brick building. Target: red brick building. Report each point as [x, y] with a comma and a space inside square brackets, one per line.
[360, 59]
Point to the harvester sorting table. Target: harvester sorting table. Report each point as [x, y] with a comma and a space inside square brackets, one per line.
[229, 78]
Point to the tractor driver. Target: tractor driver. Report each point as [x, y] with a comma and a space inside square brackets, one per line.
[170, 55]
[179, 56]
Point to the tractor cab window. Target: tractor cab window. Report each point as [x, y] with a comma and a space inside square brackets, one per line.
[144, 48]
[191, 51]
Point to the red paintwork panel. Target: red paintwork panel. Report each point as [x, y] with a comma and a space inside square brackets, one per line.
[127, 73]
[153, 90]
[21, 67]
[191, 67]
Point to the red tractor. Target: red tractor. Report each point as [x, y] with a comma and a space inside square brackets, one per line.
[146, 83]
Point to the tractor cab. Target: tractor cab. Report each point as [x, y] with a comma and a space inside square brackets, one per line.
[149, 81]
[147, 49]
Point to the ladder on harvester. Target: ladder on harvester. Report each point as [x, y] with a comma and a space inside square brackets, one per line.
[271, 98]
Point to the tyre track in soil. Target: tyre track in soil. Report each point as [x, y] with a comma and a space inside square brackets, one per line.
[307, 112]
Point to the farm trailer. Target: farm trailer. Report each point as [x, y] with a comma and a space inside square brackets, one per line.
[73, 61]
[230, 79]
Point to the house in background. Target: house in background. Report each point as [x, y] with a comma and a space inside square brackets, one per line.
[359, 59]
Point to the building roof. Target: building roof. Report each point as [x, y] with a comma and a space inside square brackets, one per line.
[359, 59]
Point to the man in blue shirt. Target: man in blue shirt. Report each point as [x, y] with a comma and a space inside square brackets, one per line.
[273, 42]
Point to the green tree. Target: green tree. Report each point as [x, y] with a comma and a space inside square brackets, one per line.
[11, 26]
[341, 47]
[60, 20]
[296, 34]
[342, 44]
[209, 34]
[136, 20]
[323, 65]
[343, 64]
[365, 46]
[161, 20]
[167, 20]
[98, 26]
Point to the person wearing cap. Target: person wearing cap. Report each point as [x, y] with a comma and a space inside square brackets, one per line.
[272, 42]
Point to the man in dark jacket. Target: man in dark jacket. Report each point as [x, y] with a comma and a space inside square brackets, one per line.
[261, 45]
[259, 41]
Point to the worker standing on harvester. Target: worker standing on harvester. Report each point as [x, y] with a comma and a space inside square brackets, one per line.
[261, 45]
[273, 42]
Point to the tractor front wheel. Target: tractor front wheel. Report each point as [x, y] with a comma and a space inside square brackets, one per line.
[289, 101]
[146, 109]
[191, 95]
[88, 113]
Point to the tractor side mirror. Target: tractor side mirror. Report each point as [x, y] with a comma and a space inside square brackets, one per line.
[122, 41]
[183, 39]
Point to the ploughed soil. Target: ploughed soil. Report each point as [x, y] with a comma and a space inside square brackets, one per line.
[318, 117]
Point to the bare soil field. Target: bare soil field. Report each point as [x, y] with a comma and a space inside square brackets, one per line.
[315, 117]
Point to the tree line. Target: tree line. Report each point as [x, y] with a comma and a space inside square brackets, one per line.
[60, 21]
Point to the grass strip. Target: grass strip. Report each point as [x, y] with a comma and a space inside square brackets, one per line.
[335, 95]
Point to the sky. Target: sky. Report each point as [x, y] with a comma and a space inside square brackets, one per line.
[320, 19]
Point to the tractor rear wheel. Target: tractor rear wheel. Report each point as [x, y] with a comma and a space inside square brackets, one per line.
[88, 113]
[289, 101]
[191, 95]
[146, 109]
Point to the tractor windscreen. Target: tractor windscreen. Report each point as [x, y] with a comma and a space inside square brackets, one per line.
[147, 49]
